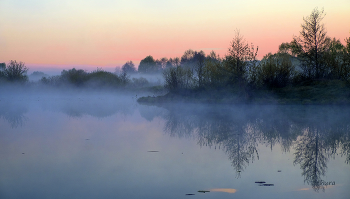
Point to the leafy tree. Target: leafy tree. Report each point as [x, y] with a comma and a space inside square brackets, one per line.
[81, 78]
[129, 67]
[161, 63]
[191, 58]
[172, 62]
[276, 70]
[74, 76]
[16, 71]
[311, 45]
[187, 56]
[214, 73]
[199, 67]
[100, 78]
[195, 60]
[148, 65]
[239, 57]
[333, 59]
[178, 79]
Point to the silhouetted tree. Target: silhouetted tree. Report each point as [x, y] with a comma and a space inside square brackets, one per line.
[240, 55]
[161, 63]
[178, 79]
[172, 62]
[16, 71]
[187, 57]
[129, 67]
[74, 76]
[276, 70]
[148, 65]
[215, 75]
[334, 62]
[311, 45]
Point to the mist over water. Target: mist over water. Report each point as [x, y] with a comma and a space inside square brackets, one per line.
[97, 144]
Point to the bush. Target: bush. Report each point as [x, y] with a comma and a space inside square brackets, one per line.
[101, 78]
[80, 78]
[75, 77]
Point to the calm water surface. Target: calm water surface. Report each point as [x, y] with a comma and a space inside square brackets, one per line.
[108, 146]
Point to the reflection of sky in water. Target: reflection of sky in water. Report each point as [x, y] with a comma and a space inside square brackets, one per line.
[89, 157]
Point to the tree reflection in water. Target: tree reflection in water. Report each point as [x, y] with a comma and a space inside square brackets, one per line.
[14, 115]
[232, 132]
[316, 133]
[311, 156]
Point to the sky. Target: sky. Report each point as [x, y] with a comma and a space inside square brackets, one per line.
[107, 33]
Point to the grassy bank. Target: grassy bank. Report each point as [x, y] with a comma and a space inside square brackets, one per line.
[323, 92]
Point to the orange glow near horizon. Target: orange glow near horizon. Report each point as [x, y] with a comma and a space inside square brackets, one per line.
[105, 34]
[224, 190]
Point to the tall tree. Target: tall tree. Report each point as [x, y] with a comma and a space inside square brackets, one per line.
[239, 55]
[312, 43]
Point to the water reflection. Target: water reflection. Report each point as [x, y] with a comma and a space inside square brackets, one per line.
[233, 133]
[13, 108]
[14, 114]
[311, 155]
[315, 133]
[99, 106]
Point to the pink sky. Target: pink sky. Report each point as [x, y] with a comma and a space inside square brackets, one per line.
[108, 33]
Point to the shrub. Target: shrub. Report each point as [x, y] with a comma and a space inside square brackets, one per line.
[75, 77]
[101, 78]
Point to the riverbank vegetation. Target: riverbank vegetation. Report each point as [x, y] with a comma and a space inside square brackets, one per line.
[310, 69]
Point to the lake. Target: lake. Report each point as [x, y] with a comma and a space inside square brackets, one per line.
[98, 145]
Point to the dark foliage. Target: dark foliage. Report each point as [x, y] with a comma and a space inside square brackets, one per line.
[81, 78]
[148, 66]
[129, 68]
[14, 71]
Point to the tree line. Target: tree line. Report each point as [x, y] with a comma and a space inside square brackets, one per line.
[16, 72]
[311, 56]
